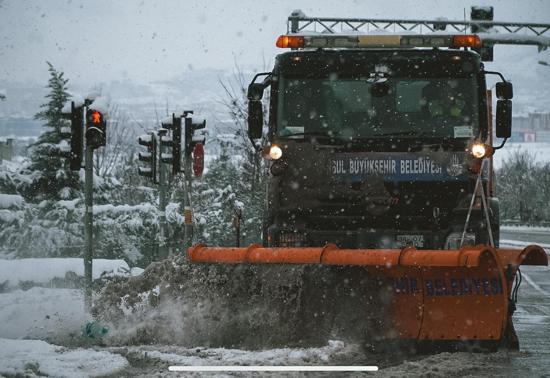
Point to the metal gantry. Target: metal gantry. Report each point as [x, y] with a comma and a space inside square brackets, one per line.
[497, 32]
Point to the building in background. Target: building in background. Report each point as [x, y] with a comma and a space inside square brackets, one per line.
[534, 127]
[6, 149]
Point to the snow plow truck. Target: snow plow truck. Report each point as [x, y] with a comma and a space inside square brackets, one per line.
[381, 189]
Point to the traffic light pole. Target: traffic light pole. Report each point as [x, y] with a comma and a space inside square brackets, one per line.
[86, 117]
[190, 145]
[187, 209]
[88, 225]
[162, 202]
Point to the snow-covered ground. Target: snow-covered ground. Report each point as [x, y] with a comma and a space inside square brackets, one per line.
[32, 358]
[42, 313]
[43, 270]
[29, 317]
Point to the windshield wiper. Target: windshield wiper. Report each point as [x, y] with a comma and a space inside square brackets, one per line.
[324, 134]
[399, 133]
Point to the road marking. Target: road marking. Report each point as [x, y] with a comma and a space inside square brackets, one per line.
[534, 285]
[530, 307]
[271, 368]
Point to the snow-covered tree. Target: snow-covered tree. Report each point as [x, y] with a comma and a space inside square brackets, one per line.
[236, 102]
[522, 186]
[234, 182]
[226, 190]
[49, 170]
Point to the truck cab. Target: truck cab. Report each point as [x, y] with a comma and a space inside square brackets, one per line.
[372, 145]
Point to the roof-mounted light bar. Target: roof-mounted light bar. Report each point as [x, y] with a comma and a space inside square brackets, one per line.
[292, 41]
[378, 41]
[466, 40]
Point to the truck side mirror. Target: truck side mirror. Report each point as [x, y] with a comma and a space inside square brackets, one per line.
[505, 90]
[255, 91]
[504, 118]
[255, 119]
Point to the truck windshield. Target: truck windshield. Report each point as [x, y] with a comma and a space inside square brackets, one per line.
[357, 108]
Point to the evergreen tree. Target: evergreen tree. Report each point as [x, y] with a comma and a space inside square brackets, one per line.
[228, 188]
[50, 173]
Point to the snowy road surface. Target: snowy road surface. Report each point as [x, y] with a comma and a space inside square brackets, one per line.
[56, 315]
[526, 234]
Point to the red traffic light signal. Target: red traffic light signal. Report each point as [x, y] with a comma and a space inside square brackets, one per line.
[97, 117]
[96, 129]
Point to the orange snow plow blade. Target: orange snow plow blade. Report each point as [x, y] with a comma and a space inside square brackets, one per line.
[436, 295]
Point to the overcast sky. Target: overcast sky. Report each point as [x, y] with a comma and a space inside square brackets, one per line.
[147, 40]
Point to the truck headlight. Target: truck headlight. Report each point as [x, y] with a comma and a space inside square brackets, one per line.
[481, 150]
[275, 152]
[478, 150]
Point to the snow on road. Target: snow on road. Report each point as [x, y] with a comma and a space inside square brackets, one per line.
[37, 358]
[222, 356]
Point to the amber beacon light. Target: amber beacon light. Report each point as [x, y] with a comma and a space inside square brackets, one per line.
[290, 41]
[466, 40]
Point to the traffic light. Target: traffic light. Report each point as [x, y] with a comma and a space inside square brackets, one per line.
[190, 127]
[76, 135]
[149, 141]
[479, 14]
[96, 128]
[174, 145]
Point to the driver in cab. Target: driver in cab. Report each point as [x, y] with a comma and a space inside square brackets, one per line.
[443, 101]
